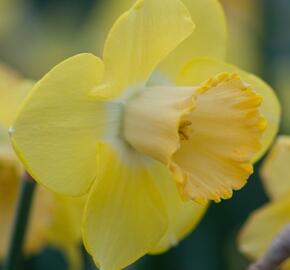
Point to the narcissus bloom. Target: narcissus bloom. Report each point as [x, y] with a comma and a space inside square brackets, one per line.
[130, 129]
[51, 213]
[266, 223]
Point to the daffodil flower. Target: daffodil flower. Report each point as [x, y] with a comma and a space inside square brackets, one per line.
[122, 130]
[266, 223]
[53, 221]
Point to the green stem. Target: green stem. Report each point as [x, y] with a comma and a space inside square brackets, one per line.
[15, 256]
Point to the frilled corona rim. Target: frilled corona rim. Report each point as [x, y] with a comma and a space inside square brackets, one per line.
[254, 125]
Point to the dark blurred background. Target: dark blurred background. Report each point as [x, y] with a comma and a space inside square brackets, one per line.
[43, 32]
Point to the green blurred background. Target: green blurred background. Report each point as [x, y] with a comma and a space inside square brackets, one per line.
[37, 34]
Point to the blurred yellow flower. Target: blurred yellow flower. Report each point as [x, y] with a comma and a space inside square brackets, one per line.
[51, 214]
[267, 222]
[123, 129]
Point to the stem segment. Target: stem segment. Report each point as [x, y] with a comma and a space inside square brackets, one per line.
[15, 256]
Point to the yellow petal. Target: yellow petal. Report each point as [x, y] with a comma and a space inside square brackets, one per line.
[201, 69]
[124, 216]
[12, 91]
[140, 39]
[274, 171]
[263, 226]
[208, 39]
[183, 216]
[57, 127]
